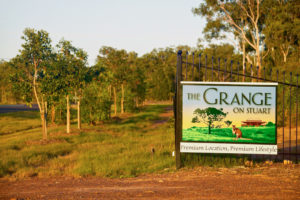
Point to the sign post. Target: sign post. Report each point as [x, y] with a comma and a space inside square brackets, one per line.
[227, 117]
[178, 113]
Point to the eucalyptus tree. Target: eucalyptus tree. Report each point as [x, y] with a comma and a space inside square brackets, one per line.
[282, 26]
[137, 81]
[29, 70]
[6, 94]
[160, 69]
[242, 18]
[115, 61]
[96, 100]
[73, 67]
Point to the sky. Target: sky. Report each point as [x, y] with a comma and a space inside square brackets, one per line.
[133, 25]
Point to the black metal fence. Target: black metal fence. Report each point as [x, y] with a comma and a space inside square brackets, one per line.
[201, 68]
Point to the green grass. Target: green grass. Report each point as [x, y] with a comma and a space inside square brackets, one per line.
[18, 121]
[262, 135]
[113, 149]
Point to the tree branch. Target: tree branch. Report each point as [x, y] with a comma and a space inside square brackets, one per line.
[229, 19]
[266, 54]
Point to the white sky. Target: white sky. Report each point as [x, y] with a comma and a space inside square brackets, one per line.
[134, 25]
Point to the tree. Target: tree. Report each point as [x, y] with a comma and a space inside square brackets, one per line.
[137, 84]
[282, 26]
[242, 18]
[160, 69]
[72, 61]
[29, 69]
[208, 116]
[96, 102]
[116, 61]
[228, 123]
[6, 93]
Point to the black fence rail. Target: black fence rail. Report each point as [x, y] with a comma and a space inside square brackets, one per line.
[201, 68]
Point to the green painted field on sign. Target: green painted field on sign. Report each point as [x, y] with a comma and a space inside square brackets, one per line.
[262, 135]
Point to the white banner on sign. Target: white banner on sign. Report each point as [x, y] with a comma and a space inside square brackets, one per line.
[189, 147]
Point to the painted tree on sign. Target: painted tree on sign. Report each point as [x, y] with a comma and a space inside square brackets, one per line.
[208, 116]
[228, 123]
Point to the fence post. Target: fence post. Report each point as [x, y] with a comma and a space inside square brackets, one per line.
[178, 120]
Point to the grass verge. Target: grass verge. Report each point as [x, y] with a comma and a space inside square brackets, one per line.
[117, 148]
[126, 146]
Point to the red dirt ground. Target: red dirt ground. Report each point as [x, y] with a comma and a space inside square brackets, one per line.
[276, 181]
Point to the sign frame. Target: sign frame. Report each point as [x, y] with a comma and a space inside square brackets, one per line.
[244, 84]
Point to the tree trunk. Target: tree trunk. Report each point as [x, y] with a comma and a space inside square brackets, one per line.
[78, 114]
[68, 115]
[115, 101]
[3, 96]
[45, 119]
[244, 59]
[285, 55]
[284, 58]
[109, 91]
[41, 108]
[122, 99]
[60, 113]
[209, 128]
[136, 102]
[43, 125]
[258, 61]
[53, 115]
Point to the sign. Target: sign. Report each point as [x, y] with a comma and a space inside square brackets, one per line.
[226, 117]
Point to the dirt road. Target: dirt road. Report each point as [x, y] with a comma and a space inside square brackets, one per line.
[266, 182]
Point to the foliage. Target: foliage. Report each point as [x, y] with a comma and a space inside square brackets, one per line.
[72, 66]
[228, 123]
[126, 77]
[266, 28]
[242, 19]
[30, 69]
[270, 124]
[159, 65]
[95, 103]
[6, 92]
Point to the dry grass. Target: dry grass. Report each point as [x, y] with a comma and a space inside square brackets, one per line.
[117, 148]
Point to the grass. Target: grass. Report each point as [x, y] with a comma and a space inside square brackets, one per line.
[113, 149]
[18, 121]
[121, 147]
[262, 135]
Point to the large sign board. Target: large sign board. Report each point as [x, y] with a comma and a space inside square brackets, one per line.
[226, 117]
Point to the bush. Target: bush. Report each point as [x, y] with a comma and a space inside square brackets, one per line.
[96, 103]
[270, 124]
